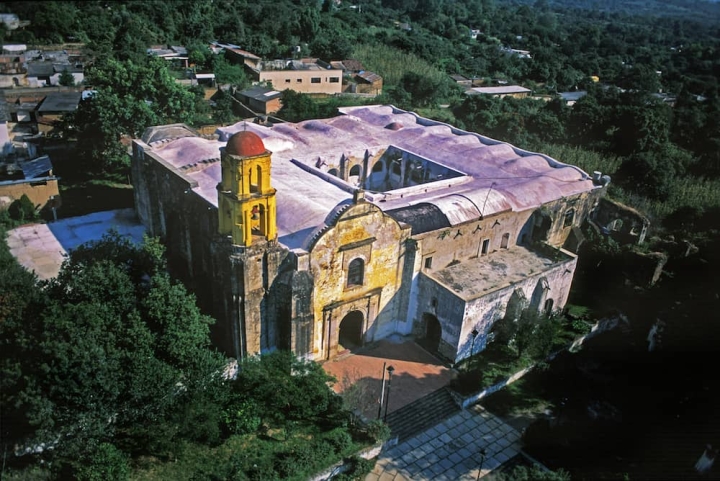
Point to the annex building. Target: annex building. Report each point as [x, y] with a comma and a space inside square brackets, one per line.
[327, 234]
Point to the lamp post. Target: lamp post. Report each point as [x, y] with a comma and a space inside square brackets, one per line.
[382, 392]
[390, 370]
[482, 461]
[474, 334]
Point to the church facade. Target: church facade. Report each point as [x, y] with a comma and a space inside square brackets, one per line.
[328, 234]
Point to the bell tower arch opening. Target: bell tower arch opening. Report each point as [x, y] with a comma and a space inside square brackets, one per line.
[351, 331]
[246, 202]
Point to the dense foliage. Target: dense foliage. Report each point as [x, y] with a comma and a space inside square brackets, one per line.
[112, 360]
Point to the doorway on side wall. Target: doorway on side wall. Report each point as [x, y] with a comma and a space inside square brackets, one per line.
[351, 331]
[433, 332]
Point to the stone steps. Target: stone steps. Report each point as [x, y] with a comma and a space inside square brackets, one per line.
[422, 414]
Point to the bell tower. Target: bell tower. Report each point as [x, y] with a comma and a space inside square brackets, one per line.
[246, 201]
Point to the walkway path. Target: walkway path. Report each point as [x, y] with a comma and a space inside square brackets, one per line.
[450, 450]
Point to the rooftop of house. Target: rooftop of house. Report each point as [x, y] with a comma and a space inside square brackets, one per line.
[572, 96]
[235, 49]
[47, 69]
[369, 77]
[459, 78]
[471, 176]
[501, 90]
[302, 64]
[60, 102]
[350, 65]
[261, 94]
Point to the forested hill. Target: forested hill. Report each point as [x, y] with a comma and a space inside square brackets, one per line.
[706, 11]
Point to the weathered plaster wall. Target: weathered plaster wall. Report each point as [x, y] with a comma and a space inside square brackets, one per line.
[458, 317]
[625, 224]
[360, 231]
[482, 313]
[38, 191]
[449, 310]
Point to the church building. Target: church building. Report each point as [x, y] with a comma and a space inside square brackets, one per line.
[324, 235]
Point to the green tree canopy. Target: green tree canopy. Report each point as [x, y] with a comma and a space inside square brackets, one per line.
[129, 98]
[113, 347]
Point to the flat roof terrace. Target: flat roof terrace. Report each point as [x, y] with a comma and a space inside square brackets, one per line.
[478, 277]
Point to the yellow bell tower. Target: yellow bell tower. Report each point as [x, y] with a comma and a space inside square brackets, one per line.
[246, 201]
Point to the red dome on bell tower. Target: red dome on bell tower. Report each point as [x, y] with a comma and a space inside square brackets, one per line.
[245, 144]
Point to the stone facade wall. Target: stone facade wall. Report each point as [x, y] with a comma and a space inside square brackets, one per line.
[362, 231]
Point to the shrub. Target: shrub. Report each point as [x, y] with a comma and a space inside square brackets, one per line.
[242, 417]
[378, 430]
[22, 209]
[106, 463]
[339, 439]
[359, 469]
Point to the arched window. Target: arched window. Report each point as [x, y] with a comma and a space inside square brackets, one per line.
[333, 172]
[356, 272]
[378, 167]
[355, 171]
[549, 307]
[569, 217]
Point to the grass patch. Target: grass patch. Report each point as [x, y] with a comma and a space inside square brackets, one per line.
[83, 198]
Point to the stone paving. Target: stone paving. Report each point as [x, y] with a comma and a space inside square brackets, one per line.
[417, 373]
[451, 450]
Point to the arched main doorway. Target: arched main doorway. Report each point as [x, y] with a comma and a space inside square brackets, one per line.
[433, 332]
[351, 331]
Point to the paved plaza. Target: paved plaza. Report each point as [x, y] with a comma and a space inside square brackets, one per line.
[451, 450]
[416, 373]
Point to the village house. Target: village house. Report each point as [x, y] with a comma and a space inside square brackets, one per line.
[261, 99]
[500, 91]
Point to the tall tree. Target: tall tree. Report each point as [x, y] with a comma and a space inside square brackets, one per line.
[115, 350]
[129, 98]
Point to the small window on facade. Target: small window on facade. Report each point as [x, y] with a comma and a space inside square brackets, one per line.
[287, 80]
[434, 302]
[428, 263]
[396, 168]
[315, 80]
[505, 241]
[485, 247]
[569, 218]
[299, 80]
[334, 80]
[356, 272]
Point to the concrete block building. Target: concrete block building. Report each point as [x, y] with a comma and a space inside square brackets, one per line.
[327, 234]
